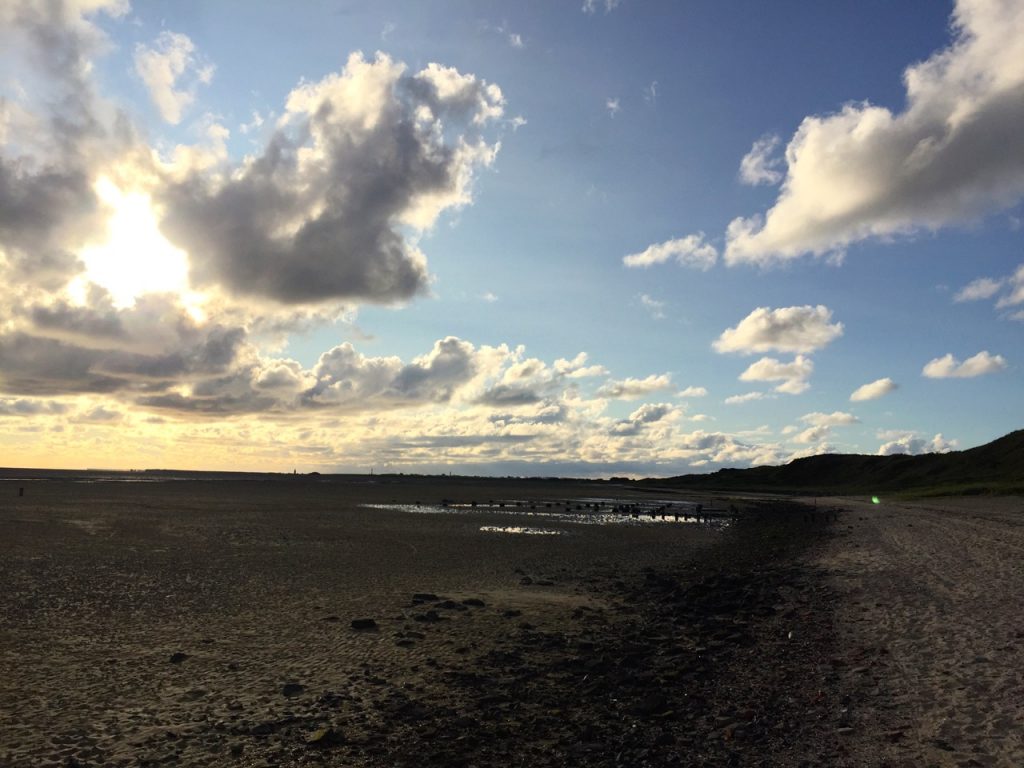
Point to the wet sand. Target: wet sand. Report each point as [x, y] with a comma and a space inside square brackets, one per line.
[210, 623]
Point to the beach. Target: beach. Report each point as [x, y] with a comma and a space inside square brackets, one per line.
[928, 612]
[297, 621]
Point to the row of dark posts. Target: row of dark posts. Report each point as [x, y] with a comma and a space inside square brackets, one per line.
[634, 510]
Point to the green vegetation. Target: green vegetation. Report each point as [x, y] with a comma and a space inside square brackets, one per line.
[994, 468]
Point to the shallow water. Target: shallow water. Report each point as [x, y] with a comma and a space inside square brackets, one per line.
[600, 512]
[519, 529]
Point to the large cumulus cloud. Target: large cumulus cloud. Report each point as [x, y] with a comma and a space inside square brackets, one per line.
[319, 214]
[954, 152]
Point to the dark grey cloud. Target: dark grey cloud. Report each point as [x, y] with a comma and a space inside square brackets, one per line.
[218, 405]
[649, 413]
[435, 376]
[318, 215]
[24, 407]
[47, 201]
[69, 350]
[62, 319]
[38, 366]
[504, 395]
[454, 441]
[547, 413]
[99, 415]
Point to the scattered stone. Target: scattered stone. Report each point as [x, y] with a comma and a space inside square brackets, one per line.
[451, 605]
[324, 737]
[330, 618]
[425, 597]
[473, 602]
[650, 704]
[292, 689]
[364, 624]
[429, 617]
[177, 658]
[511, 613]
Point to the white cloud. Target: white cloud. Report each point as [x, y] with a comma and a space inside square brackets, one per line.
[632, 388]
[954, 153]
[255, 124]
[590, 6]
[489, 297]
[874, 390]
[163, 67]
[612, 105]
[692, 392]
[689, 251]
[834, 419]
[816, 449]
[813, 435]
[651, 93]
[655, 307]
[987, 287]
[515, 40]
[947, 366]
[749, 397]
[910, 443]
[787, 329]
[793, 375]
[761, 165]
[577, 368]
[1016, 294]
[982, 288]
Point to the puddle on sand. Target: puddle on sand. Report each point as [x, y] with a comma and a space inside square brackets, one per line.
[581, 512]
[520, 529]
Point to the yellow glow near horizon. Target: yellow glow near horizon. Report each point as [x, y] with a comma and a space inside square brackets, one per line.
[136, 258]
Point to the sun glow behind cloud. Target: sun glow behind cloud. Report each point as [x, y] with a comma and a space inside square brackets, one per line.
[135, 259]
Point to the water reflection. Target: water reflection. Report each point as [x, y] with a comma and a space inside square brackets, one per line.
[520, 529]
[588, 511]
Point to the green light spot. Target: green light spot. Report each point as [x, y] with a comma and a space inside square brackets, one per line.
[875, 500]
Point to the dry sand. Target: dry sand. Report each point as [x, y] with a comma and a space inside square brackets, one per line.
[209, 623]
[930, 616]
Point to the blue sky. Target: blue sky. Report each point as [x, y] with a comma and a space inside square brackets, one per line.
[531, 238]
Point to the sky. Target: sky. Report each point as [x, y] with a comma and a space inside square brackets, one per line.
[579, 237]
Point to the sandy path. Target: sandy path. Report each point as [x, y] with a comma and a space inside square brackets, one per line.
[931, 614]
